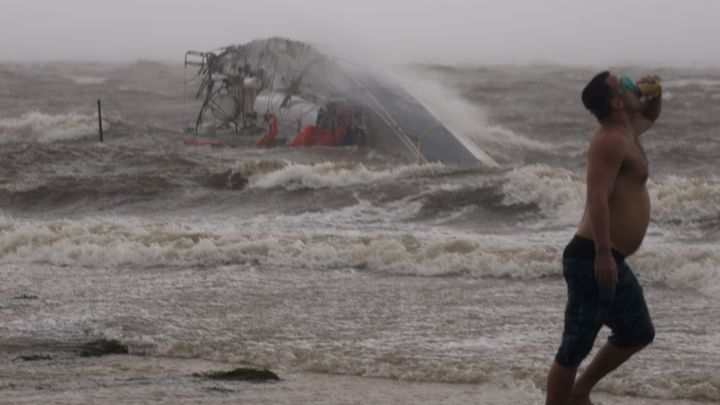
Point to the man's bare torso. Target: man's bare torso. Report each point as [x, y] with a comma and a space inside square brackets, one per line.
[629, 202]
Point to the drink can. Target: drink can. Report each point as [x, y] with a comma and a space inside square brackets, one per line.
[649, 89]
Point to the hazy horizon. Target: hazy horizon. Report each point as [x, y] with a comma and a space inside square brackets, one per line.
[656, 33]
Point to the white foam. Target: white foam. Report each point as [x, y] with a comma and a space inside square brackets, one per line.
[694, 266]
[683, 199]
[559, 193]
[40, 127]
[86, 80]
[337, 174]
[364, 212]
[137, 243]
[101, 242]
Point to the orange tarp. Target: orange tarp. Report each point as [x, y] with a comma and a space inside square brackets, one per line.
[316, 136]
[269, 137]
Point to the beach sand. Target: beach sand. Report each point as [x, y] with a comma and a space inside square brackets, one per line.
[129, 379]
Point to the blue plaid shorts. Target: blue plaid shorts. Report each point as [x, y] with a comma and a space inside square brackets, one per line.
[590, 305]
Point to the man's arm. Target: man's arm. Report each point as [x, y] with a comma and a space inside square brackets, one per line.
[605, 157]
[651, 110]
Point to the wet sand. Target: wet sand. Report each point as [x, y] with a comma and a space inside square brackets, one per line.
[128, 379]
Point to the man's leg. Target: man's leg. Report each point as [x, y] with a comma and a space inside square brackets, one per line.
[581, 326]
[606, 360]
[629, 314]
[559, 383]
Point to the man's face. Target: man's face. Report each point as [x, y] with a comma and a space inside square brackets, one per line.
[626, 92]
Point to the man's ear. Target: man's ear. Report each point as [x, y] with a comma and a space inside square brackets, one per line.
[617, 104]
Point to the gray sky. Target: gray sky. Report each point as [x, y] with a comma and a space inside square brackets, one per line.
[677, 32]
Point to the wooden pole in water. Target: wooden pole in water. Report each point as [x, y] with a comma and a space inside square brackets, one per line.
[100, 121]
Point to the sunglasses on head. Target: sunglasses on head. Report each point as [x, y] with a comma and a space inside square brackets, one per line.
[627, 84]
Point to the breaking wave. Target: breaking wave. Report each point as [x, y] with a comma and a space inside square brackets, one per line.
[558, 192]
[681, 266]
[40, 127]
[294, 176]
[560, 195]
[682, 200]
[136, 243]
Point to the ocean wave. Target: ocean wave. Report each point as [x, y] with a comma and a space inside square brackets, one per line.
[58, 191]
[40, 127]
[141, 244]
[237, 178]
[560, 195]
[137, 243]
[685, 200]
[54, 176]
[691, 266]
[295, 176]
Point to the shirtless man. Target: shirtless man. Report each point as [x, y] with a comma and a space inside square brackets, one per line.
[602, 289]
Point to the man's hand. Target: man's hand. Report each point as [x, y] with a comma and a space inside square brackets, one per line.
[606, 272]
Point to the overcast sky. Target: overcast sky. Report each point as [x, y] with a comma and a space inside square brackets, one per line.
[677, 32]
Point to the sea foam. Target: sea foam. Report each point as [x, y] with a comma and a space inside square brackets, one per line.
[39, 127]
[560, 195]
[139, 243]
[294, 176]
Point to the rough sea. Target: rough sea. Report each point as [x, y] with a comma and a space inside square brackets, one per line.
[357, 278]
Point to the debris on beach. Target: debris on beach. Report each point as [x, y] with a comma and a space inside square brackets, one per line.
[102, 347]
[241, 374]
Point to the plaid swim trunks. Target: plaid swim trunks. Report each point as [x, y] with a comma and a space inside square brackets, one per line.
[591, 305]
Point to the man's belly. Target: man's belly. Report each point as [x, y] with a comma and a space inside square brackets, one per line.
[629, 219]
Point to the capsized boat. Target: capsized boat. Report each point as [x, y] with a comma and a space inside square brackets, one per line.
[280, 92]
